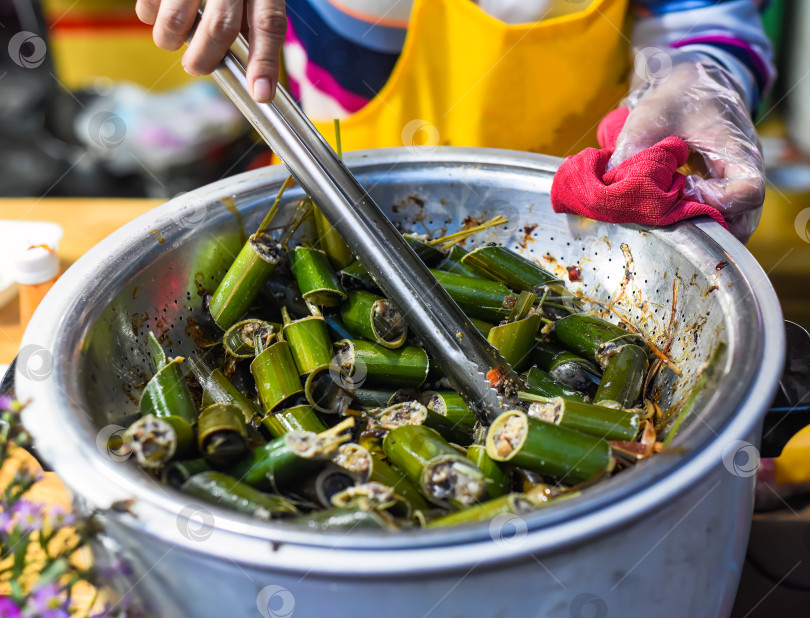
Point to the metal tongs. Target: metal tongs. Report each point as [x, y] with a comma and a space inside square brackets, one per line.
[471, 364]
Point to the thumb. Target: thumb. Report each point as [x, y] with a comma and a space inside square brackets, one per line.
[267, 20]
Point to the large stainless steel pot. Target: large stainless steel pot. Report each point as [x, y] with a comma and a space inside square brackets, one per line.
[665, 538]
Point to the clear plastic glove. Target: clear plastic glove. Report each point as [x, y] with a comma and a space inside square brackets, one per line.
[263, 21]
[691, 96]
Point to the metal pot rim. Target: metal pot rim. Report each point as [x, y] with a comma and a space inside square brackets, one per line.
[234, 537]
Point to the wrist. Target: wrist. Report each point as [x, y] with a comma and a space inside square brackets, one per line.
[740, 77]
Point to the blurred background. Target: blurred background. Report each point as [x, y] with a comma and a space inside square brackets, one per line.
[89, 107]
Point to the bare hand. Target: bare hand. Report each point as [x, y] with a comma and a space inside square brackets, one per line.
[264, 20]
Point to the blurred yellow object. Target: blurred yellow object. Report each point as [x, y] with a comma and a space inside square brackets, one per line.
[783, 252]
[785, 255]
[99, 40]
[793, 465]
[540, 87]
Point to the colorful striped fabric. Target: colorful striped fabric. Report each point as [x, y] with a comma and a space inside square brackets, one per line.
[340, 53]
[657, 7]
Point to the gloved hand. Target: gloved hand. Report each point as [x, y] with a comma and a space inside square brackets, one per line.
[264, 21]
[691, 96]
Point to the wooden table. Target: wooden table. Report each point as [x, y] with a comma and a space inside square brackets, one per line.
[85, 221]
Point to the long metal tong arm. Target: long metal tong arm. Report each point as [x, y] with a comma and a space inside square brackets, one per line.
[467, 359]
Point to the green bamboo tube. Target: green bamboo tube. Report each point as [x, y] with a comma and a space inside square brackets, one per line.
[374, 318]
[309, 342]
[166, 393]
[405, 413]
[450, 416]
[282, 461]
[514, 340]
[592, 337]
[345, 519]
[514, 270]
[442, 475]
[435, 372]
[156, 441]
[401, 395]
[563, 454]
[330, 241]
[366, 497]
[478, 298]
[282, 292]
[219, 389]
[328, 390]
[370, 398]
[315, 277]
[623, 378]
[565, 366]
[594, 420]
[510, 503]
[497, 479]
[451, 405]
[375, 497]
[238, 339]
[483, 327]
[370, 364]
[297, 418]
[175, 473]
[386, 474]
[355, 273]
[226, 491]
[538, 382]
[355, 459]
[276, 376]
[429, 254]
[452, 264]
[245, 278]
[318, 487]
[222, 434]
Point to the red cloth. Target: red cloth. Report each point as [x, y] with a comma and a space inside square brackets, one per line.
[645, 189]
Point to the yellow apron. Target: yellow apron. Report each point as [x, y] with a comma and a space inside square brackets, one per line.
[465, 78]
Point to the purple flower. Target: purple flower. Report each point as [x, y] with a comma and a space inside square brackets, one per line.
[47, 602]
[6, 526]
[29, 515]
[8, 608]
[60, 518]
[114, 568]
[5, 402]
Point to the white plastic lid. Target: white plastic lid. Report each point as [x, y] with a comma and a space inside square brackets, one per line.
[35, 265]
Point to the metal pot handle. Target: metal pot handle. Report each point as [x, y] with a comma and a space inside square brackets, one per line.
[790, 410]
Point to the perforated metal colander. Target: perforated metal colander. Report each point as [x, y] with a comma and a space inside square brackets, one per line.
[149, 276]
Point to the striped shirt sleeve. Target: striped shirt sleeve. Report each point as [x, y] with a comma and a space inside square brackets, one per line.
[337, 56]
[728, 30]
